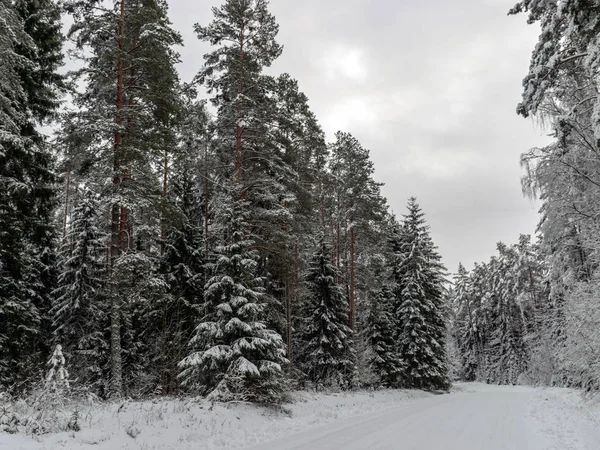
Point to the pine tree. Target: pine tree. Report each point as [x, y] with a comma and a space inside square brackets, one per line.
[244, 33]
[419, 311]
[358, 207]
[328, 353]
[125, 126]
[79, 313]
[237, 356]
[248, 140]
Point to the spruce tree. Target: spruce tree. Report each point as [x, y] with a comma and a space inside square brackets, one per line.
[42, 82]
[467, 333]
[380, 334]
[28, 94]
[79, 312]
[419, 308]
[57, 379]
[237, 356]
[184, 260]
[328, 347]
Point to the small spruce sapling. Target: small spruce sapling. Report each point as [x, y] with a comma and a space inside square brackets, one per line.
[57, 379]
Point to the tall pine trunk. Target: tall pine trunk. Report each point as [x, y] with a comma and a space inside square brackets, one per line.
[116, 363]
[288, 302]
[66, 212]
[163, 220]
[240, 115]
[352, 305]
[206, 200]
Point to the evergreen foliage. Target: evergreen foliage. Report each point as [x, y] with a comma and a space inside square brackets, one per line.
[380, 331]
[58, 376]
[237, 356]
[79, 312]
[496, 307]
[188, 260]
[418, 304]
[30, 41]
[328, 353]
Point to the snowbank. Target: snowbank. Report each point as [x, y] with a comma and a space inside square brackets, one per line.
[187, 424]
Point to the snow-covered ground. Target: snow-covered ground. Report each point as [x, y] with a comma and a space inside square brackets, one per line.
[473, 416]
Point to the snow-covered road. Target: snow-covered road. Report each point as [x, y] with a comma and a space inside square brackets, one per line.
[480, 418]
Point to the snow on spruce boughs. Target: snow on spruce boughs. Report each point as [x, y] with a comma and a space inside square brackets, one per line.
[499, 309]
[78, 309]
[419, 309]
[58, 376]
[30, 51]
[328, 346]
[238, 357]
[386, 362]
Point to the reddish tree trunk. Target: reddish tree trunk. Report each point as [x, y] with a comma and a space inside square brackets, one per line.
[322, 205]
[239, 116]
[338, 255]
[66, 205]
[352, 306]
[206, 196]
[116, 247]
[162, 225]
[288, 302]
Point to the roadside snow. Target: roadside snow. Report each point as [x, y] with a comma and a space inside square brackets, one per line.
[569, 422]
[189, 424]
[474, 416]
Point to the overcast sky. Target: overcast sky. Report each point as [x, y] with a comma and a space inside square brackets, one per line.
[430, 87]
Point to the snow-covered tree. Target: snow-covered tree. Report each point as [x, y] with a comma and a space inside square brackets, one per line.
[236, 355]
[79, 312]
[183, 263]
[498, 325]
[30, 44]
[418, 304]
[252, 116]
[357, 206]
[386, 363]
[466, 327]
[561, 86]
[57, 378]
[506, 352]
[328, 355]
[124, 126]
[142, 285]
